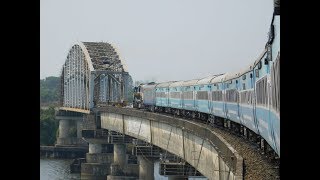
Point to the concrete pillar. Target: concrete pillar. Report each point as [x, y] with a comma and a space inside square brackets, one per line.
[146, 168]
[63, 128]
[120, 155]
[177, 177]
[79, 129]
[95, 148]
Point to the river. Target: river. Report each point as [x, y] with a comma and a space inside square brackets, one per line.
[54, 169]
[58, 169]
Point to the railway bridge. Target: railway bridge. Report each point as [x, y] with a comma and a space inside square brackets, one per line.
[124, 143]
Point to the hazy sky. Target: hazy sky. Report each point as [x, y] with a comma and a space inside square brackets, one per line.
[159, 39]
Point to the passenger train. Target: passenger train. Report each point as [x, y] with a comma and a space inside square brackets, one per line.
[246, 101]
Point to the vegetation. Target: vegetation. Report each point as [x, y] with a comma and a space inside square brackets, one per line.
[48, 126]
[49, 91]
[49, 98]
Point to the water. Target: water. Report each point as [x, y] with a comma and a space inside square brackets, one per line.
[54, 169]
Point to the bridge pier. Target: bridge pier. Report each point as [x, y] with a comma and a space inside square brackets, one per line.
[66, 122]
[95, 148]
[120, 155]
[146, 168]
[64, 128]
[98, 163]
[177, 177]
[79, 129]
[117, 174]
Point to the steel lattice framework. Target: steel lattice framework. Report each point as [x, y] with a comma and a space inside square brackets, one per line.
[93, 74]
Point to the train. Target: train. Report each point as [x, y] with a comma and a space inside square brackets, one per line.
[246, 101]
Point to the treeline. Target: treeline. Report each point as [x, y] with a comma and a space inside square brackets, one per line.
[48, 126]
[49, 99]
[49, 91]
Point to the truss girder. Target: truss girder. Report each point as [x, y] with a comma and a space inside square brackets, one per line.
[93, 74]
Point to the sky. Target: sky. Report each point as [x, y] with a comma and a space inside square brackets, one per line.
[160, 40]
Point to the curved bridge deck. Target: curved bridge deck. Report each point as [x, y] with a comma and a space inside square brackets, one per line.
[198, 144]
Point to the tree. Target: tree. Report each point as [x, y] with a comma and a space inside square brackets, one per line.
[49, 90]
[48, 126]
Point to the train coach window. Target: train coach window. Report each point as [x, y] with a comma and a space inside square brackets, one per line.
[236, 81]
[243, 86]
[202, 95]
[262, 92]
[246, 97]
[259, 65]
[216, 95]
[244, 77]
[187, 95]
[250, 75]
[257, 73]
[176, 95]
[232, 95]
[266, 61]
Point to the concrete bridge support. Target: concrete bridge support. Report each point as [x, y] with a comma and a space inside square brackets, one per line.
[146, 168]
[95, 148]
[120, 170]
[177, 177]
[65, 123]
[79, 129]
[64, 128]
[98, 163]
[120, 155]
[117, 174]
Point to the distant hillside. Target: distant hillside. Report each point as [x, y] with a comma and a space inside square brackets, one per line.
[49, 91]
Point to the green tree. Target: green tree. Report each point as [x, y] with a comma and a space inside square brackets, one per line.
[49, 90]
[48, 126]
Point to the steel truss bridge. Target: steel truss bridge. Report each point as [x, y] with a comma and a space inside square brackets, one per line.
[93, 74]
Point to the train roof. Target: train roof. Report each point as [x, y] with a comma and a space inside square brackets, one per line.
[190, 82]
[165, 84]
[231, 75]
[260, 57]
[218, 79]
[245, 70]
[208, 79]
[149, 86]
[177, 84]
